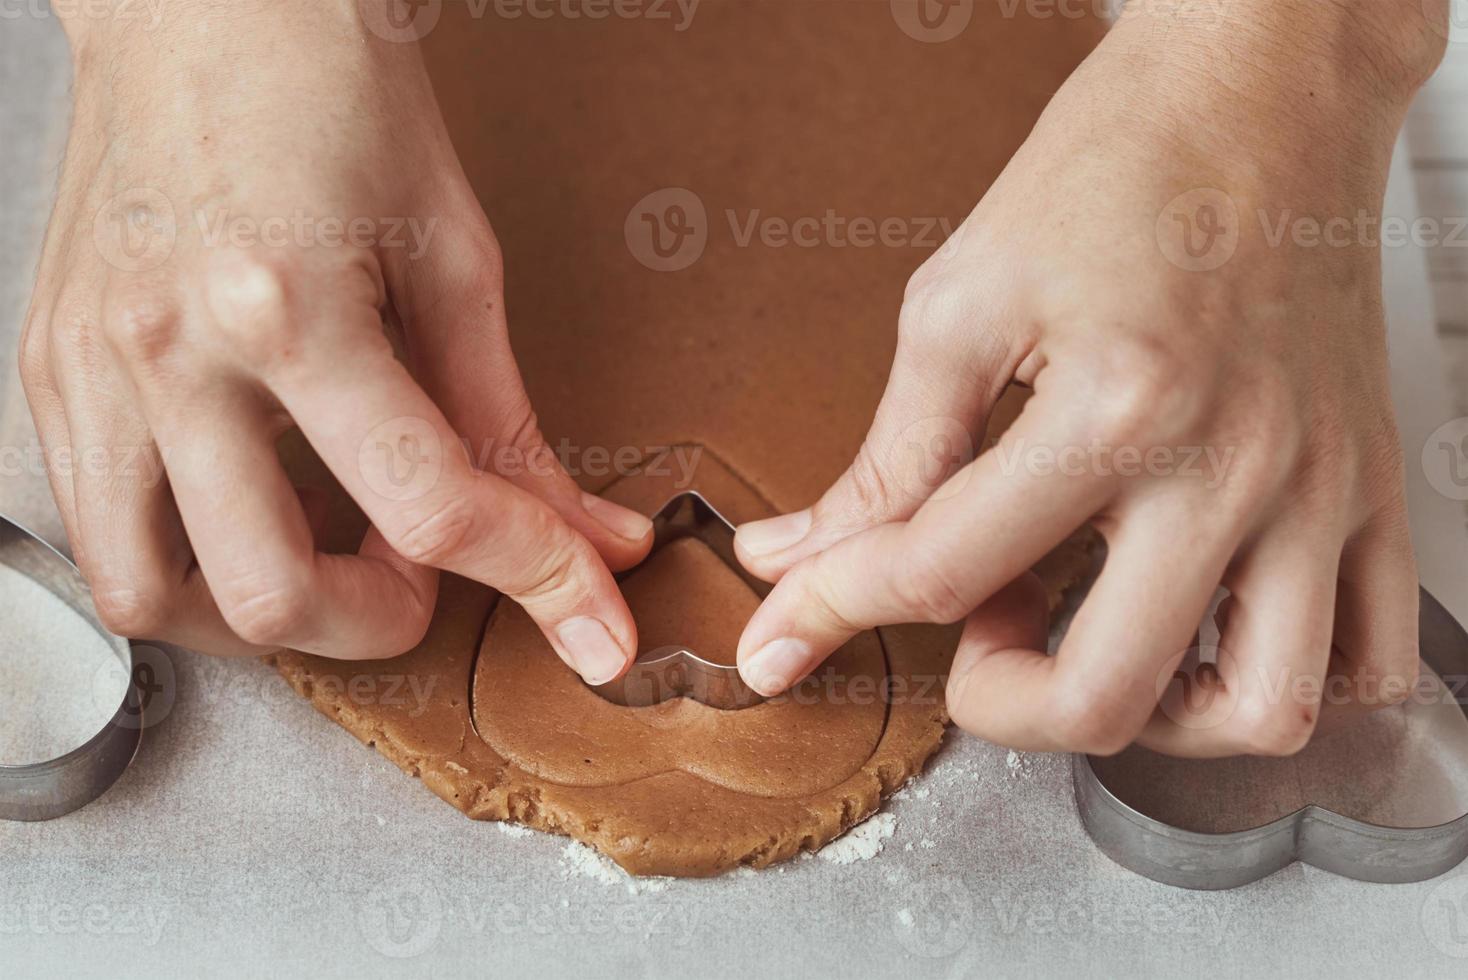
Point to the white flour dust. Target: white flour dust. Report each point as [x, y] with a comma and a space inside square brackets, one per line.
[579, 860]
[513, 829]
[862, 842]
[59, 680]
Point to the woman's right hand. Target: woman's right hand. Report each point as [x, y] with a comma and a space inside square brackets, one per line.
[246, 194]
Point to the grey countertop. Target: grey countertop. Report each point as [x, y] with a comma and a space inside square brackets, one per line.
[252, 836]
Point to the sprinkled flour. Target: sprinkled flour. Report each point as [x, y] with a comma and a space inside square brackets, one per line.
[513, 829]
[862, 842]
[1018, 765]
[59, 680]
[579, 860]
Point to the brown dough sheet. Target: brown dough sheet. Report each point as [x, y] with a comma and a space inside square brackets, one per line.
[762, 363]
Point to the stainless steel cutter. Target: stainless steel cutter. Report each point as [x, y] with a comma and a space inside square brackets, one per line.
[1313, 834]
[671, 672]
[1160, 851]
[54, 787]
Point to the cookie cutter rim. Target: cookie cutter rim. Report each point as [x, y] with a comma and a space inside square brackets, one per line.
[1313, 834]
[666, 672]
[55, 787]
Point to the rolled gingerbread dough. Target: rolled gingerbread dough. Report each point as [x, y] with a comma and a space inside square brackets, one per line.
[750, 375]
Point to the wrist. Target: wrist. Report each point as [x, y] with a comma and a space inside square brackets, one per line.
[1303, 94]
[103, 30]
[1321, 55]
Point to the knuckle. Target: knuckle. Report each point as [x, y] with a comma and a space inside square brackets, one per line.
[1403, 674]
[927, 591]
[871, 488]
[1084, 722]
[523, 436]
[249, 297]
[130, 613]
[931, 303]
[141, 327]
[439, 536]
[32, 354]
[555, 576]
[1144, 390]
[1277, 730]
[556, 561]
[818, 599]
[473, 262]
[269, 613]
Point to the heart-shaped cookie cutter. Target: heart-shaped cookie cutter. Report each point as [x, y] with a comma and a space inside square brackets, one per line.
[1312, 834]
[54, 787]
[670, 672]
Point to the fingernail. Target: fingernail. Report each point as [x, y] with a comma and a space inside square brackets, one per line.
[774, 534]
[777, 665]
[593, 652]
[619, 520]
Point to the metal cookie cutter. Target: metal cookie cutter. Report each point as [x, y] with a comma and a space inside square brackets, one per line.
[670, 672]
[1315, 835]
[54, 787]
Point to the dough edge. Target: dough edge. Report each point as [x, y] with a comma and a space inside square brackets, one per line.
[637, 831]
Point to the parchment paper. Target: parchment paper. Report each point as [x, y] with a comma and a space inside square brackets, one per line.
[254, 837]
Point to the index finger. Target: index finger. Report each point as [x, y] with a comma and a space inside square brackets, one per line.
[981, 530]
[397, 456]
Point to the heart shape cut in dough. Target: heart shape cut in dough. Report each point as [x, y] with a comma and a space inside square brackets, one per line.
[535, 711]
[416, 711]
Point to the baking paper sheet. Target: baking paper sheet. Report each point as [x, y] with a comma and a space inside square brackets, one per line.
[254, 837]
